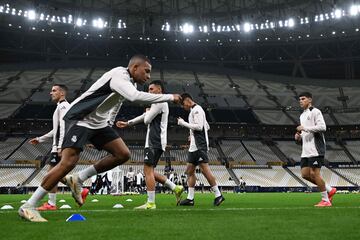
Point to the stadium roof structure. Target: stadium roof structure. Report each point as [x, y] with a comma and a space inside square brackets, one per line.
[246, 33]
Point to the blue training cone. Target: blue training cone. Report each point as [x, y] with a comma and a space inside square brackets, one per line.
[76, 218]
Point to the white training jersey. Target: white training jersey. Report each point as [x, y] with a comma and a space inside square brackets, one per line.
[130, 176]
[199, 128]
[99, 105]
[58, 132]
[313, 140]
[156, 120]
[139, 178]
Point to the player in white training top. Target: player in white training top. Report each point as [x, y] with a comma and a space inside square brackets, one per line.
[88, 120]
[156, 118]
[311, 134]
[199, 146]
[58, 95]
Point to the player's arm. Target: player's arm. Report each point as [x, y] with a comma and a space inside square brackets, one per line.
[132, 122]
[128, 91]
[154, 110]
[198, 122]
[42, 138]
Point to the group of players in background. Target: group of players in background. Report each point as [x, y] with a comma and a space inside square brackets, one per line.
[90, 119]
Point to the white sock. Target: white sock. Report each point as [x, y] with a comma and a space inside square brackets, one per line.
[87, 173]
[170, 184]
[36, 197]
[328, 187]
[151, 196]
[52, 199]
[191, 193]
[216, 191]
[324, 196]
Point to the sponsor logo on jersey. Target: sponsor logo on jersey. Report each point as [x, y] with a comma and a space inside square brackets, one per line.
[74, 138]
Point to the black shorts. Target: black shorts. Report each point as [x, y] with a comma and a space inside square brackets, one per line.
[152, 156]
[78, 136]
[54, 159]
[197, 157]
[312, 162]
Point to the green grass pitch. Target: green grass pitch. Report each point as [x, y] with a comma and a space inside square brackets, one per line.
[242, 216]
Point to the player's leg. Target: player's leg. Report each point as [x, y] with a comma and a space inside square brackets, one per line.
[70, 156]
[150, 187]
[212, 181]
[315, 174]
[106, 139]
[177, 189]
[191, 180]
[50, 205]
[305, 174]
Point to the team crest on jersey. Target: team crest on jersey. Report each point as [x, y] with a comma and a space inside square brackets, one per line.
[74, 138]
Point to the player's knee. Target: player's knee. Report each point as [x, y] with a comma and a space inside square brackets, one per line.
[122, 156]
[305, 176]
[313, 176]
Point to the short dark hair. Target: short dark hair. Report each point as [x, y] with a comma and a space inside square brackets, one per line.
[305, 94]
[62, 87]
[184, 96]
[158, 83]
[140, 57]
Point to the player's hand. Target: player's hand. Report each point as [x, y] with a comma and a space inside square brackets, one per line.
[177, 98]
[33, 141]
[298, 136]
[121, 124]
[89, 145]
[59, 151]
[300, 128]
[180, 121]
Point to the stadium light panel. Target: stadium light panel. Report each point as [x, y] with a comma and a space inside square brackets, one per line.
[218, 29]
[205, 29]
[31, 15]
[98, 23]
[291, 22]
[79, 22]
[1, 9]
[338, 13]
[247, 27]
[188, 28]
[354, 10]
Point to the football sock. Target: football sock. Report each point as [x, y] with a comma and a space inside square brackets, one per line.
[170, 184]
[324, 196]
[191, 193]
[151, 196]
[216, 191]
[328, 187]
[87, 173]
[52, 199]
[39, 194]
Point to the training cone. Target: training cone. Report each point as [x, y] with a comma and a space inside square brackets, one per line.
[94, 200]
[62, 201]
[6, 207]
[118, 206]
[65, 206]
[76, 218]
[129, 200]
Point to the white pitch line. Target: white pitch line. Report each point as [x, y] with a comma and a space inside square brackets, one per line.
[187, 209]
